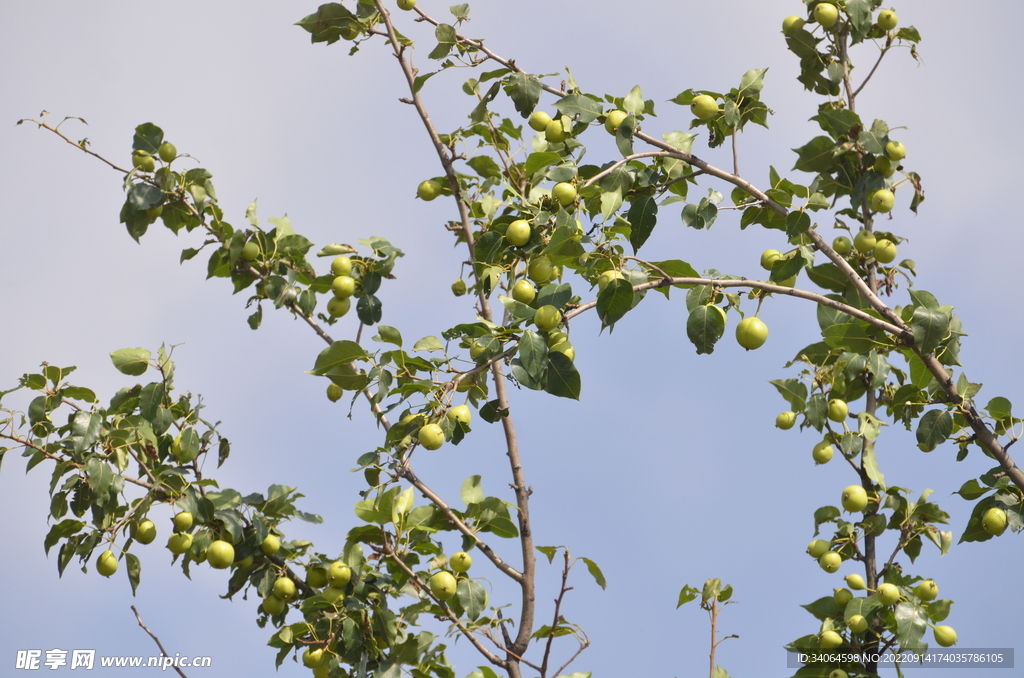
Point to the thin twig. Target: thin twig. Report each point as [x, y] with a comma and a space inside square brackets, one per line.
[156, 640]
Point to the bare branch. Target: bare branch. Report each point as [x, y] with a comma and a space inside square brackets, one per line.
[156, 640]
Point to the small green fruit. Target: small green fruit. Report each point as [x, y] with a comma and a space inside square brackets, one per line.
[831, 561]
[884, 166]
[106, 564]
[927, 590]
[443, 585]
[704, 107]
[145, 532]
[822, 452]
[830, 640]
[314, 658]
[220, 554]
[459, 287]
[461, 561]
[885, 251]
[751, 333]
[182, 521]
[167, 151]
[818, 548]
[842, 596]
[250, 251]
[343, 286]
[332, 594]
[271, 544]
[857, 623]
[341, 266]
[547, 318]
[539, 121]
[154, 212]
[339, 574]
[143, 161]
[887, 19]
[826, 14]
[284, 588]
[837, 673]
[785, 421]
[994, 521]
[524, 292]
[896, 151]
[316, 577]
[887, 593]
[565, 348]
[769, 257]
[461, 414]
[540, 269]
[334, 392]
[838, 410]
[273, 605]
[842, 245]
[518, 232]
[555, 132]
[431, 436]
[563, 193]
[882, 201]
[606, 277]
[855, 498]
[406, 4]
[179, 542]
[428, 190]
[792, 23]
[338, 306]
[864, 242]
[945, 635]
[855, 582]
[613, 120]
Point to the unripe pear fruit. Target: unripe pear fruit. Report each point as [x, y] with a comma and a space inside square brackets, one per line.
[270, 545]
[842, 245]
[518, 232]
[106, 564]
[855, 498]
[885, 251]
[182, 521]
[704, 107]
[273, 605]
[539, 121]
[792, 23]
[751, 333]
[887, 20]
[825, 14]
[822, 452]
[864, 242]
[341, 266]
[613, 120]
[944, 635]
[431, 436]
[882, 201]
[857, 623]
[250, 251]
[855, 582]
[284, 588]
[818, 548]
[547, 318]
[334, 392]
[443, 585]
[524, 292]
[428, 190]
[830, 562]
[896, 151]
[838, 411]
[563, 193]
[927, 590]
[461, 561]
[830, 640]
[785, 421]
[887, 593]
[994, 521]
[769, 257]
[555, 132]
[842, 596]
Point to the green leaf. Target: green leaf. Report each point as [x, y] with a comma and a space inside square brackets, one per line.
[329, 23]
[850, 336]
[563, 379]
[131, 361]
[533, 353]
[930, 328]
[472, 491]
[793, 391]
[428, 344]
[614, 301]
[335, 355]
[686, 594]
[815, 156]
[524, 90]
[388, 334]
[705, 326]
[911, 623]
[472, 597]
[934, 428]
[642, 217]
[595, 572]
[446, 40]
[535, 162]
[134, 568]
[148, 137]
[580, 105]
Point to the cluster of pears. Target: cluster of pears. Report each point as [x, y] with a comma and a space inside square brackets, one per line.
[838, 411]
[827, 15]
[888, 594]
[144, 161]
[343, 287]
[444, 584]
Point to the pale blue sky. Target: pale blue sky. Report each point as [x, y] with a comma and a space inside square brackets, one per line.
[669, 471]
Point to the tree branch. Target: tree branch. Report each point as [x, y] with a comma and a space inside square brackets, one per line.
[156, 640]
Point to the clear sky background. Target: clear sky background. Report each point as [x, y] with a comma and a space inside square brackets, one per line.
[669, 470]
